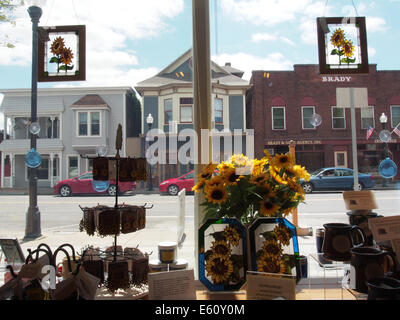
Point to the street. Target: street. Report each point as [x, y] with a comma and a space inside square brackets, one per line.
[60, 219]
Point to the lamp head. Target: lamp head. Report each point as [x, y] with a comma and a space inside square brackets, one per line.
[150, 119]
[383, 118]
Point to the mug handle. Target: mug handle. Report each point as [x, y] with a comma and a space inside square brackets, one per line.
[394, 259]
[361, 232]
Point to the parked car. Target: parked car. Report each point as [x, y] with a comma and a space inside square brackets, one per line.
[82, 184]
[337, 178]
[174, 185]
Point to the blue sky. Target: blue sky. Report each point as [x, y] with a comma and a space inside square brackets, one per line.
[131, 41]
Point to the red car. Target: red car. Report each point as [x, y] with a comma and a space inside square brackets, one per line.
[173, 186]
[83, 185]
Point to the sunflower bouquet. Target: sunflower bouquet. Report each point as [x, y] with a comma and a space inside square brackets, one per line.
[343, 48]
[223, 261]
[247, 189]
[61, 55]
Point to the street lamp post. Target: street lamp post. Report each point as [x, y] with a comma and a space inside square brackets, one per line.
[150, 121]
[32, 230]
[383, 120]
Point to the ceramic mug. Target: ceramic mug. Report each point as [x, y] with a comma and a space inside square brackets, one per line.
[361, 220]
[339, 239]
[367, 263]
[383, 289]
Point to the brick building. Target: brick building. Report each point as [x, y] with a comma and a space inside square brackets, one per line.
[281, 103]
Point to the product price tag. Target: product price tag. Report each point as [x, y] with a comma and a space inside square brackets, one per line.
[387, 228]
[265, 286]
[173, 285]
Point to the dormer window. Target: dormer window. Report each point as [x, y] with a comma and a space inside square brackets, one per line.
[88, 123]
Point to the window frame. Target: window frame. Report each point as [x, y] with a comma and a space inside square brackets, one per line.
[89, 124]
[284, 118]
[333, 118]
[166, 122]
[302, 117]
[373, 117]
[391, 116]
[222, 110]
[185, 106]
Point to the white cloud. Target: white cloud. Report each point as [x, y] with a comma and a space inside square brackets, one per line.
[109, 27]
[375, 24]
[248, 63]
[371, 52]
[288, 41]
[257, 37]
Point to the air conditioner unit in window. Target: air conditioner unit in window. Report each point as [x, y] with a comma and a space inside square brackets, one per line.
[173, 127]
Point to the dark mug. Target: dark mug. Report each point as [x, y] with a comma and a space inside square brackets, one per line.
[367, 263]
[383, 289]
[361, 220]
[339, 238]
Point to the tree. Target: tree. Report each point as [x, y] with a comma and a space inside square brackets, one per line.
[7, 8]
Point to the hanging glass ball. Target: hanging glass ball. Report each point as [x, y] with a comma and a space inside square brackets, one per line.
[33, 159]
[387, 169]
[316, 120]
[34, 128]
[100, 186]
[385, 136]
[101, 151]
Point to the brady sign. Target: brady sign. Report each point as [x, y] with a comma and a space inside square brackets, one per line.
[337, 79]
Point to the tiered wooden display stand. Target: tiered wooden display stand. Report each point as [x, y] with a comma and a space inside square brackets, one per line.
[135, 291]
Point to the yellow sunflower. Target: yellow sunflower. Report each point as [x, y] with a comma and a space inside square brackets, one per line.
[259, 167]
[239, 160]
[217, 194]
[213, 182]
[67, 56]
[267, 208]
[259, 180]
[272, 248]
[221, 248]
[270, 265]
[230, 176]
[283, 234]
[337, 38]
[232, 235]
[274, 172]
[57, 46]
[283, 161]
[348, 48]
[219, 268]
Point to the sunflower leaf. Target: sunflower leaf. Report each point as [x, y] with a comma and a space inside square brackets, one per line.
[335, 52]
[55, 60]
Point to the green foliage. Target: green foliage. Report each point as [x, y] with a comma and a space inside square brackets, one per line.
[7, 8]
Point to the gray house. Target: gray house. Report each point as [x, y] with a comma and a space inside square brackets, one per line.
[73, 121]
[168, 97]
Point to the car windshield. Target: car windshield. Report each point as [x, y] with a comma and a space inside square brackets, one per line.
[315, 172]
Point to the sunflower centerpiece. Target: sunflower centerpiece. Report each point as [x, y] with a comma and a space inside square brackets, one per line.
[247, 189]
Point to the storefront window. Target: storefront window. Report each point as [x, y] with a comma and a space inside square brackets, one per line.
[307, 113]
[367, 118]
[338, 118]
[73, 168]
[278, 118]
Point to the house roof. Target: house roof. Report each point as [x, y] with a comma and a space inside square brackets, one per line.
[180, 72]
[90, 101]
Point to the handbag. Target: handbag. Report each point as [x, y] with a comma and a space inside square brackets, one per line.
[107, 221]
[94, 267]
[68, 266]
[100, 169]
[129, 219]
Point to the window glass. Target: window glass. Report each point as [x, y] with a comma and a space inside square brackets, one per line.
[85, 176]
[395, 115]
[278, 118]
[186, 110]
[307, 115]
[167, 111]
[338, 118]
[55, 167]
[83, 124]
[218, 111]
[73, 167]
[95, 123]
[367, 118]
[43, 170]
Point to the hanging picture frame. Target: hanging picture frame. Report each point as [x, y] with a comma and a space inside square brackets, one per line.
[342, 45]
[62, 53]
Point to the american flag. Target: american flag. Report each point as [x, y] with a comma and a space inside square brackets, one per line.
[396, 130]
[369, 131]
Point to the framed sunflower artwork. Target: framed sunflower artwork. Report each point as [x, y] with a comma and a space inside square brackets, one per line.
[62, 53]
[274, 247]
[342, 45]
[223, 254]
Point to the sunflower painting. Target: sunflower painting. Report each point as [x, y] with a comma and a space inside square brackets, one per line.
[342, 45]
[62, 56]
[223, 254]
